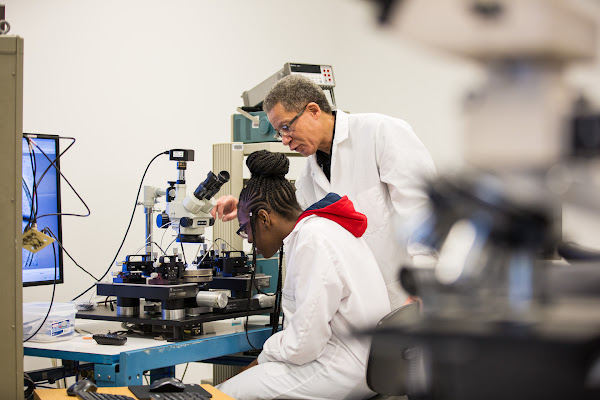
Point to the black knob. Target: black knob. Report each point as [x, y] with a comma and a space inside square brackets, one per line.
[163, 220]
[185, 222]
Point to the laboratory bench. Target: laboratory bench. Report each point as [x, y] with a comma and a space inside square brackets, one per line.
[125, 365]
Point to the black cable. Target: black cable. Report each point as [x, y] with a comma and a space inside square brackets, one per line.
[28, 261]
[278, 290]
[48, 231]
[31, 194]
[250, 296]
[153, 242]
[253, 285]
[29, 199]
[33, 208]
[34, 198]
[266, 294]
[29, 141]
[227, 243]
[159, 247]
[118, 333]
[277, 311]
[182, 250]
[184, 371]
[30, 387]
[252, 274]
[45, 387]
[128, 227]
[53, 163]
[162, 238]
[51, 300]
[106, 301]
[173, 241]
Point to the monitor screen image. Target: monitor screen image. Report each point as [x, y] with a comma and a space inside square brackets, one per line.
[41, 204]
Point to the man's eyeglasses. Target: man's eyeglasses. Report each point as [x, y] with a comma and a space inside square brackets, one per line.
[286, 129]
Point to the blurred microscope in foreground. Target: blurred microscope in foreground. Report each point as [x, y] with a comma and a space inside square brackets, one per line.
[510, 310]
[178, 293]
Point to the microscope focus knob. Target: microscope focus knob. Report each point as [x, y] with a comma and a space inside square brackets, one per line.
[185, 222]
[163, 220]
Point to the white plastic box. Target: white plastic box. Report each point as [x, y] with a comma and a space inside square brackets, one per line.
[60, 324]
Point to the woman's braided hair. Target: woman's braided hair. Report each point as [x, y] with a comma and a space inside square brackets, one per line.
[268, 188]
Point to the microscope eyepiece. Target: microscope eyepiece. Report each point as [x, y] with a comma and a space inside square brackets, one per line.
[211, 185]
[223, 177]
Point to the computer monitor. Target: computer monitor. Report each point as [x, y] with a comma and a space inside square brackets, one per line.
[41, 201]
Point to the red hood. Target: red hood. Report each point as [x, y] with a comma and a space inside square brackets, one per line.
[340, 210]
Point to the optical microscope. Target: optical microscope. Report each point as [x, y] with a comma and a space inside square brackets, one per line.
[180, 295]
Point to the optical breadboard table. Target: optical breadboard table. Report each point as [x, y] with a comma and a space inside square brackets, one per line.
[125, 365]
[175, 327]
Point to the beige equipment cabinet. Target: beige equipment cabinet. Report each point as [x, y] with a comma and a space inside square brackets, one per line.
[11, 289]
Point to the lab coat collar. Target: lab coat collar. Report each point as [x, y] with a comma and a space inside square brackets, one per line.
[341, 128]
[318, 176]
[288, 239]
[341, 134]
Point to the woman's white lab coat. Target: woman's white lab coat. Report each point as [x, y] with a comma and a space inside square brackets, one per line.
[330, 291]
[381, 165]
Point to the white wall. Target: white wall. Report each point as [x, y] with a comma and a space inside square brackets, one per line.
[130, 79]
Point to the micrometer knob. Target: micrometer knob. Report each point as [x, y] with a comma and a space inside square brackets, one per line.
[162, 220]
[186, 222]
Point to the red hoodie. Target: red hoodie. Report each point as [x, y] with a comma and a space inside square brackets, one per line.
[340, 210]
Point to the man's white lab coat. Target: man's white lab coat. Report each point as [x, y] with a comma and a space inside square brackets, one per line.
[329, 293]
[380, 164]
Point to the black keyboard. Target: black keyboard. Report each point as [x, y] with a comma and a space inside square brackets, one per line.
[102, 396]
[178, 396]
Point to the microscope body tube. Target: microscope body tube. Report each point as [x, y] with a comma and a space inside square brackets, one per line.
[211, 299]
[149, 223]
[151, 193]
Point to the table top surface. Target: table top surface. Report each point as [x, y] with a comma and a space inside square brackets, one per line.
[58, 394]
[82, 342]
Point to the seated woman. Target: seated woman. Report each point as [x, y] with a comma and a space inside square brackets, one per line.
[332, 289]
